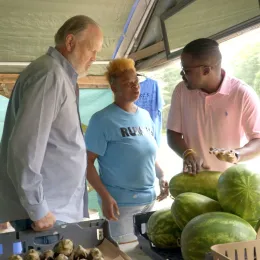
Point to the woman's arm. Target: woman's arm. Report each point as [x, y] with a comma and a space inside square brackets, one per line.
[164, 186]
[159, 171]
[109, 205]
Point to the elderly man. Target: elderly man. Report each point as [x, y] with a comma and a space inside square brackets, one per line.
[212, 109]
[43, 154]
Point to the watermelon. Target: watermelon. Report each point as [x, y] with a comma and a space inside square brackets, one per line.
[210, 229]
[257, 226]
[254, 224]
[189, 205]
[162, 230]
[239, 192]
[204, 183]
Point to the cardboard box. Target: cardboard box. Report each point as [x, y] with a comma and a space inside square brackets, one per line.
[111, 252]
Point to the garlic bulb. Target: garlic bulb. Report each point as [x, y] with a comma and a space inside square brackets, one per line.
[64, 247]
[15, 257]
[32, 255]
[61, 257]
[79, 253]
[47, 255]
[95, 254]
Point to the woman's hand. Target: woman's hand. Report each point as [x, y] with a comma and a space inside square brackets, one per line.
[164, 190]
[110, 208]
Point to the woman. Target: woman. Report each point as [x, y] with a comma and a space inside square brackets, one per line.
[121, 138]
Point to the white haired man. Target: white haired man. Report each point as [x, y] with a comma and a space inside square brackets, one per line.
[43, 153]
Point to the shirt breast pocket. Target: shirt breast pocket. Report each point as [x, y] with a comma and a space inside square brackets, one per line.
[67, 118]
[224, 124]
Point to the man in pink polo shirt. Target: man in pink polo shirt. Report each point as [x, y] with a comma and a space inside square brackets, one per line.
[212, 109]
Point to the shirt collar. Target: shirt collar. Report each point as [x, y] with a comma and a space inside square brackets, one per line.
[224, 88]
[66, 65]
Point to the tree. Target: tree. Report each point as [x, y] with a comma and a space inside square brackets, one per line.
[246, 65]
[167, 79]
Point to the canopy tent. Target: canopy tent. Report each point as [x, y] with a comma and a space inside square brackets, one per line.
[150, 31]
[28, 27]
[131, 27]
[145, 30]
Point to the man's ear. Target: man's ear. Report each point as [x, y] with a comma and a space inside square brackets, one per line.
[206, 71]
[70, 42]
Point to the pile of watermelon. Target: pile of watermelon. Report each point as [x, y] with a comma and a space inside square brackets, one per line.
[208, 208]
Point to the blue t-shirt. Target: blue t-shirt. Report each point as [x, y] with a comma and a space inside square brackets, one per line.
[127, 153]
[151, 100]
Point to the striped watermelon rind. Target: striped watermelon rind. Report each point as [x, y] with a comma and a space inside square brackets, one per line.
[189, 205]
[204, 183]
[239, 192]
[162, 230]
[257, 226]
[210, 229]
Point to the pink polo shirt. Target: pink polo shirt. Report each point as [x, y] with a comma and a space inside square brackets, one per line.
[226, 119]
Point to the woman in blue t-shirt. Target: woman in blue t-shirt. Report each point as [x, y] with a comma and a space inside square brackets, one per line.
[121, 138]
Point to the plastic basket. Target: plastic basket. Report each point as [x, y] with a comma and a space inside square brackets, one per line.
[140, 221]
[145, 244]
[247, 250]
[87, 233]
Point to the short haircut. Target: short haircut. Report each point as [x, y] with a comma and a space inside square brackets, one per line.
[203, 49]
[74, 25]
[118, 66]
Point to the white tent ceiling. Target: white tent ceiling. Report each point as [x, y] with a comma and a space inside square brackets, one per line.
[130, 26]
[28, 26]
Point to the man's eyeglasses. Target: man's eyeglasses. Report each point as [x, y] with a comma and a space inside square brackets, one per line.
[185, 71]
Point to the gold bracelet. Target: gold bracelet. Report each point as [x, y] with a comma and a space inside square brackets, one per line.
[187, 152]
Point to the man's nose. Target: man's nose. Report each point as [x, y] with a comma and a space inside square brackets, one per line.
[94, 57]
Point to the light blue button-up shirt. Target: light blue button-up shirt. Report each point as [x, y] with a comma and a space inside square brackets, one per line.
[43, 154]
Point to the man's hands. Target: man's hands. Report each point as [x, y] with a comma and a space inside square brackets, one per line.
[45, 223]
[110, 208]
[192, 164]
[164, 190]
[225, 155]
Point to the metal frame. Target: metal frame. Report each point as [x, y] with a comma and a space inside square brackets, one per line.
[218, 36]
[133, 27]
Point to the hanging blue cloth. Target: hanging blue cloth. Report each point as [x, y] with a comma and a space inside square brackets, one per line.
[151, 100]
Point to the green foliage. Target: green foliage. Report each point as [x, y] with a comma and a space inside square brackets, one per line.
[168, 79]
[246, 65]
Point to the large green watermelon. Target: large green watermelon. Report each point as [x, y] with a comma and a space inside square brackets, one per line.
[254, 224]
[257, 227]
[189, 205]
[162, 230]
[204, 183]
[239, 192]
[210, 229]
